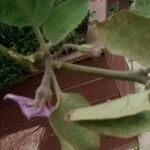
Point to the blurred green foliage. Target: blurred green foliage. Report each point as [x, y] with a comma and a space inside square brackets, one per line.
[23, 40]
[10, 72]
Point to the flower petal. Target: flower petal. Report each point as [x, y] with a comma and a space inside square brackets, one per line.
[28, 110]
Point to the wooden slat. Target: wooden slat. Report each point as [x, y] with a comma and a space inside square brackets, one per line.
[6, 130]
[97, 90]
[93, 90]
[65, 79]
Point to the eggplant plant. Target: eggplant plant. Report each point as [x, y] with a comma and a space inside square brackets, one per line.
[77, 125]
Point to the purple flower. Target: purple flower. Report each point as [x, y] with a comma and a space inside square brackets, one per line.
[27, 109]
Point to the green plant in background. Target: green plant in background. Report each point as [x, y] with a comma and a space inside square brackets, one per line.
[23, 41]
[126, 33]
[11, 72]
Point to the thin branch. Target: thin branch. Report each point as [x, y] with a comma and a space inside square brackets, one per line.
[134, 76]
[39, 36]
[140, 76]
[84, 48]
[47, 73]
[56, 86]
[66, 47]
[29, 61]
[43, 93]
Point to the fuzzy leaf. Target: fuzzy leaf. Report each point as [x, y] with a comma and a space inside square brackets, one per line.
[24, 12]
[126, 106]
[141, 7]
[65, 145]
[64, 19]
[124, 127]
[71, 135]
[127, 34]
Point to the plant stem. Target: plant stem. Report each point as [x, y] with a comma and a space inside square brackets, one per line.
[56, 86]
[140, 76]
[29, 61]
[134, 76]
[47, 73]
[86, 49]
[43, 93]
[39, 36]
[65, 48]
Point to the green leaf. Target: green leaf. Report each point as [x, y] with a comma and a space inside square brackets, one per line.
[126, 106]
[127, 34]
[25, 12]
[124, 127]
[65, 145]
[141, 7]
[71, 135]
[64, 19]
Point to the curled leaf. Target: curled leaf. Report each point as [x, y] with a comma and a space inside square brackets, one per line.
[141, 7]
[124, 127]
[128, 35]
[126, 106]
[125, 117]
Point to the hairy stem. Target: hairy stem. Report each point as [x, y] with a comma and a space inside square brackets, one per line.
[43, 93]
[134, 76]
[28, 61]
[56, 86]
[65, 48]
[47, 73]
[140, 76]
[39, 37]
[84, 48]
